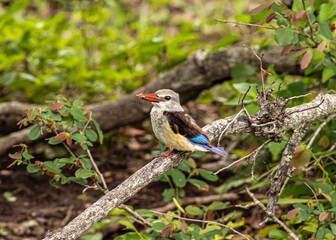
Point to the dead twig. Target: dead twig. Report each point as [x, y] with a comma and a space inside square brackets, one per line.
[252, 155]
[202, 221]
[245, 24]
[227, 126]
[332, 117]
[302, 110]
[67, 215]
[277, 220]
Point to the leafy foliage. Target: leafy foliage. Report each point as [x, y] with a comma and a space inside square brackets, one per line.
[58, 118]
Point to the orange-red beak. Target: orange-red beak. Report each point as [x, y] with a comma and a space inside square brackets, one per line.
[150, 97]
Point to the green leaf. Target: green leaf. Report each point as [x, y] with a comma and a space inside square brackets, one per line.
[64, 180]
[83, 173]
[184, 166]
[91, 236]
[51, 166]
[218, 205]
[100, 132]
[33, 169]
[285, 36]
[78, 137]
[131, 236]
[27, 156]
[158, 226]
[320, 233]
[296, 88]
[325, 31]
[278, 234]
[78, 180]
[208, 176]
[276, 148]
[52, 141]
[7, 78]
[332, 84]
[333, 228]
[35, 132]
[91, 135]
[168, 194]
[303, 215]
[77, 103]
[241, 87]
[78, 114]
[198, 183]
[194, 210]
[327, 74]
[198, 154]
[327, 11]
[178, 177]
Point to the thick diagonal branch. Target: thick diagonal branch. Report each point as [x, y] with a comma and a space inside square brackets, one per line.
[158, 166]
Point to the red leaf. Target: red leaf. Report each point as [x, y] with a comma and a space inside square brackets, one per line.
[323, 216]
[312, 2]
[57, 106]
[295, 22]
[82, 144]
[37, 163]
[165, 232]
[210, 215]
[69, 141]
[51, 174]
[321, 46]
[305, 60]
[260, 8]
[61, 136]
[300, 14]
[270, 17]
[287, 49]
[332, 27]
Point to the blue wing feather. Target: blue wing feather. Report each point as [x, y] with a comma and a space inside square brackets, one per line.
[199, 139]
[218, 150]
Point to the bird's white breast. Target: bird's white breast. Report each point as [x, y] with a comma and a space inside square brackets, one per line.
[165, 134]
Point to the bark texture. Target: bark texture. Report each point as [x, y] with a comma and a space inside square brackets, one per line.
[299, 116]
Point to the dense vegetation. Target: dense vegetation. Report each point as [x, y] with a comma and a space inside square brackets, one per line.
[98, 50]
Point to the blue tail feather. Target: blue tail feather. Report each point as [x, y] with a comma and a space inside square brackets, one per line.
[218, 150]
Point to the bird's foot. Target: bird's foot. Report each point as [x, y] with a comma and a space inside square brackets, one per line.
[165, 154]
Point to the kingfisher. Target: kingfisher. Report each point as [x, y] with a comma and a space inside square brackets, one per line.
[174, 127]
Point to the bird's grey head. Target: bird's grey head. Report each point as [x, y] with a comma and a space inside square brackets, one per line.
[170, 100]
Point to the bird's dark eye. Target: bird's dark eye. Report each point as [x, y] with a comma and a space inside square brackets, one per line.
[167, 98]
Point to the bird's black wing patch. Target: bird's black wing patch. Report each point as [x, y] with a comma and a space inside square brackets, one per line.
[184, 124]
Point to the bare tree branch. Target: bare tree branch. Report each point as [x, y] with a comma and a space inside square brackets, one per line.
[145, 175]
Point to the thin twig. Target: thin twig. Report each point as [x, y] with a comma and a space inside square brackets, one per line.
[97, 169]
[202, 221]
[262, 71]
[302, 110]
[247, 156]
[243, 105]
[262, 206]
[227, 126]
[127, 209]
[319, 129]
[301, 96]
[309, 22]
[315, 196]
[245, 24]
